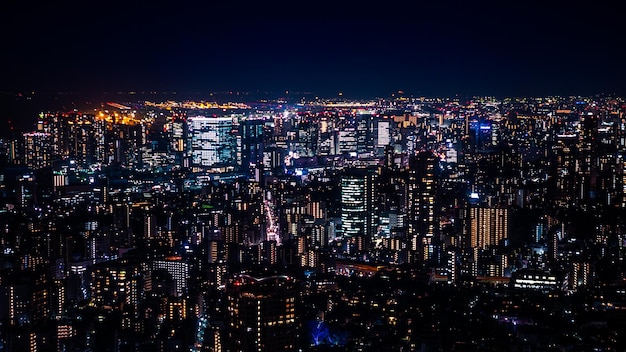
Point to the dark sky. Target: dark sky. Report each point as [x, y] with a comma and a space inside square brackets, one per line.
[360, 48]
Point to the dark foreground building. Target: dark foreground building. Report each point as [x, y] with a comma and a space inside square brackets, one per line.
[261, 314]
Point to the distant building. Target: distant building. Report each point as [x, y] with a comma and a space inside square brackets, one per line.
[38, 149]
[178, 269]
[177, 134]
[536, 280]
[116, 284]
[482, 135]
[251, 132]
[347, 141]
[213, 142]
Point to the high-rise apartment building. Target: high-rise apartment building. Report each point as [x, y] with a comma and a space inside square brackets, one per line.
[487, 226]
[421, 204]
[261, 314]
[177, 269]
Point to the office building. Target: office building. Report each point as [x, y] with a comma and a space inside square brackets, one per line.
[213, 142]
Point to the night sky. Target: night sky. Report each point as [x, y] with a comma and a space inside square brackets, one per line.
[323, 47]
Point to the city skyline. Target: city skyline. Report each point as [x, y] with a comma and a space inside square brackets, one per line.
[404, 224]
[312, 176]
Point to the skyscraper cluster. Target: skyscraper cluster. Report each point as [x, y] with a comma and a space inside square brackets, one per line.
[397, 224]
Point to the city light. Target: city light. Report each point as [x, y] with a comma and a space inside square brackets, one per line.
[403, 223]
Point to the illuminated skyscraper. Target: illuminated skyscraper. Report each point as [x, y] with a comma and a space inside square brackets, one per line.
[125, 141]
[358, 203]
[383, 133]
[347, 141]
[423, 221]
[177, 136]
[483, 135]
[587, 162]
[306, 140]
[213, 142]
[367, 132]
[564, 153]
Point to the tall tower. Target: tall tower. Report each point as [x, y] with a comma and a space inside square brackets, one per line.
[587, 161]
[177, 135]
[358, 203]
[423, 217]
[564, 153]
